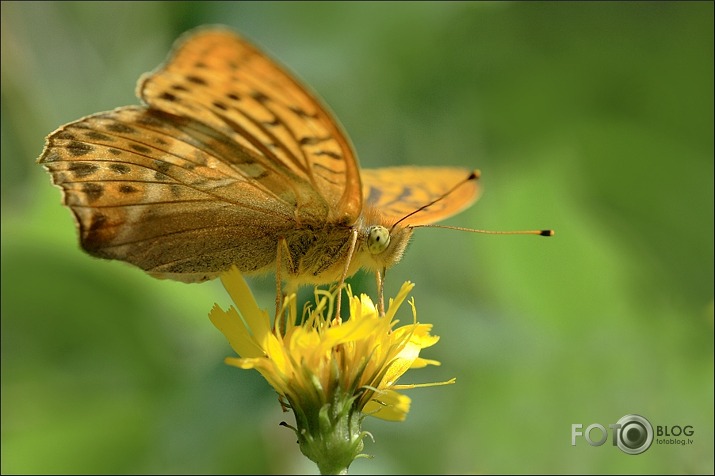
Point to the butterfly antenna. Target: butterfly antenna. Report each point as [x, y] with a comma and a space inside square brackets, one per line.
[472, 176]
[491, 232]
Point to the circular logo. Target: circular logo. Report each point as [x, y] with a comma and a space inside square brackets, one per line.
[635, 434]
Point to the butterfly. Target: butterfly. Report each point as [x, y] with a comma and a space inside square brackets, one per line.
[232, 161]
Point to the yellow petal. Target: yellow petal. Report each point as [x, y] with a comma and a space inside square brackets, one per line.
[231, 325]
[388, 405]
[394, 304]
[420, 362]
[241, 294]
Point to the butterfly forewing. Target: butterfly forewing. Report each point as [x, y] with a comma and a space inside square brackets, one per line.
[222, 81]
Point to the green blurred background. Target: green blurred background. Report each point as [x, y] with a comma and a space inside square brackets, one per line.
[594, 119]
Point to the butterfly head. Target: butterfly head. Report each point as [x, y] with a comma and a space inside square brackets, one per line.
[378, 239]
[385, 246]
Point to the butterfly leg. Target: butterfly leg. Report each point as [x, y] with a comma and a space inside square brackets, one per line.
[380, 275]
[279, 281]
[351, 251]
[282, 247]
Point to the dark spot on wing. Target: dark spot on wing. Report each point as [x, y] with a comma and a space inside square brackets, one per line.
[161, 166]
[169, 97]
[82, 169]
[196, 80]
[301, 112]
[260, 97]
[329, 153]
[318, 165]
[65, 135]
[140, 148]
[313, 140]
[93, 191]
[78, 148]
[120, 128]
[220, 105]
[126, 189]
[94, 135]
[92, 239]
[263, 174]
[374, 195]
[120, 168]
[324, 177]
[52, 156]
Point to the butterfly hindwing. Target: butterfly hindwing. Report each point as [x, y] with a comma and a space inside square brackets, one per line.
[170, 195]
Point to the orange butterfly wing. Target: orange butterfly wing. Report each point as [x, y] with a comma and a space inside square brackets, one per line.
[399, 191]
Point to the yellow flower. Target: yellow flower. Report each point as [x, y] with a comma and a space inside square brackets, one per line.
[331, 373]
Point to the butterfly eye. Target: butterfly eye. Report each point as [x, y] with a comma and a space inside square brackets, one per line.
[378, 237]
